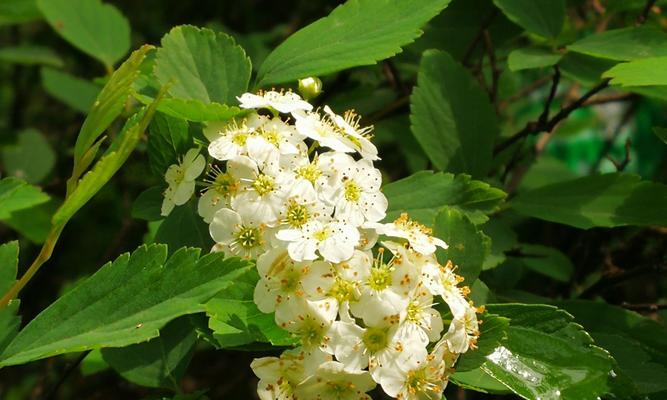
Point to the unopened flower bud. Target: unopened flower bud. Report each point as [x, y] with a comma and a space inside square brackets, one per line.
[310, 87]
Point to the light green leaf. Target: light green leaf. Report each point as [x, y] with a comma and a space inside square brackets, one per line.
[148, 205]
[160, 362]
[9, 320]
[203, 65]
[194, 110]
[493, 333]
[109, 102]
[169, 139]
[638, 344]
[31, 159]
[30, 55]
[645, 72]
[602, 200]
[452, 117]
[545, 171]
[93, 363]
[359, 32]
[479, 381]
[545, 261]
[17, 195]
[184, 227]
[126, 302]
[541, 17]
[107, 166]
[624, 44]
[547, 355]
[96, 28]
[532, 57]
[423, 194]
[661, 133]
[18, 11]
[468, 246]
[77, 93]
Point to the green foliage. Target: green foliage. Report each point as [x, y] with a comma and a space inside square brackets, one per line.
[451, 117]
[661, 133]
[359, 32]
[624, 44]
[17, 195]
[169, 139]
[643, 72]
[546, 355]
[423, 194]
[545, 261]
[77, 93]
[532, 57]
[148, 205]
[542, 17]
[30, 55]
[9, 320]
[125, 302]
[18, 11]
[95, 28]
[468, 246]
[604, 200]
[184, 227]
[31, 159]
[203, 66]
[160, 362]
[493, 333]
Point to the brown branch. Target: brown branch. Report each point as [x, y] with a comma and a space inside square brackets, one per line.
[611, 281]
[644, 306]
[478, 37]
[394, 78]
[644, 14]
[523, 92]
[495, 72]
[620, 166]
[611, 98]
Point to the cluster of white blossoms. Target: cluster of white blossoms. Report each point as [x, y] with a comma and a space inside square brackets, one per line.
[295, 188]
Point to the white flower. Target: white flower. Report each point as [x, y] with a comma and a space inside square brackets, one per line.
[303, 205]
[419, 319]
[416, 234]
[221, 187]
[320, 128]
[334, 241]
[229, 140]
[442, 281]
[463, 332]
[231, 233]
[279, 376]
[181, 179]
[332, 381]
[284, 102]
[349, 127]
[418, 376]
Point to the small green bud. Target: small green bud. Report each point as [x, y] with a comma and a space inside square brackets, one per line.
[310, 87]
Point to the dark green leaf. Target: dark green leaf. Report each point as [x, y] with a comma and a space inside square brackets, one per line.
[202, 65]
[493, 333]
[661, 133]
[503, 239]
[16, 195]
[194, 110]
[479, 381]
[18, 11]
[160, 362]
[603, 200]
[547, 355]
[77, 93]
[451, 117]
[9, 320]
[169, 139]
[359, 32]
[184, 227]
[542, 17]
[644, 72]
[31, 159]
[126, 302]
[585, 69]
[148, 206]
[93, 363]
[423, 194]
[468, 246]
[532, 57]
[35, 222]
[30, 55]
[546, 261]
[624, 44]
[95, 28]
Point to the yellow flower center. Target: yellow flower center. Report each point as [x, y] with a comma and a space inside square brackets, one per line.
[375, 339]
[248, 237]
[342, 290]
[380, 278]
[309, 172]
[352, 191]
[225, 184]
[263, 184]
[297, 214]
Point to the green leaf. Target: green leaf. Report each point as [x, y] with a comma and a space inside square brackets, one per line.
[585, 69]
[35, 222]
[602, 200]
[638, 344]
[126, 302]
[468, 246]
[194, 110]
[644, 72]
[96, 28]
[423, 194]
[541, 17]
[109, 102]
[93, 363]
[9, 320]
[77, 93]
[30, 55]
[624, 44]
[107, 166]
[18, 11]
[148, 206]
[169, 139]
[503, 239]
[532, 57]
[547, 355]
[661, 133]
[359, 32]
[479, 381]
[546, 261]
[31, 159]
[160, 362]
[17, 195]
[184, 227]
[452, 117]
[203, 65]
[493, 333]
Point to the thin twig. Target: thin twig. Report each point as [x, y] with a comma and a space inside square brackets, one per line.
[612, 281]
[644, 306]
[610, 98]
[609, 142]
[495, 72]
[63, 377]
[620, 166]
[644, 14]
[394, 78]
[471, 48]
[523, 92]
[544, 117]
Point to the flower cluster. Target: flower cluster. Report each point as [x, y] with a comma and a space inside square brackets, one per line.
[295, 188]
